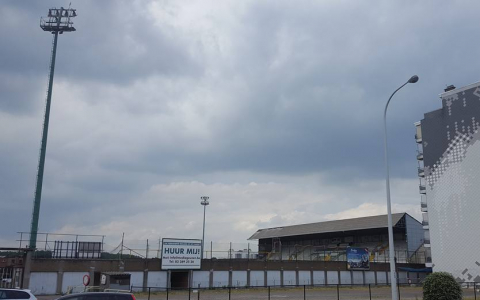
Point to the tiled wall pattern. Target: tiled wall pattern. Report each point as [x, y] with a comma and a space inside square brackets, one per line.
[451, 150]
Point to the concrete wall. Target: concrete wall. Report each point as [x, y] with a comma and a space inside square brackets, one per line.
[289, 278]
[46, 283]
[381, 277]
[402, 277]
[345, 277]
[257, 278]
[72, 279]
[201, 278]
[273, 278]
[304, 278]
[369, 277]
[157, 279]
[318, 277]
[332, 277]
[239, 278]
[55, 276]
[43, 283]
[220, 278]
[357, 277]
[136, 279]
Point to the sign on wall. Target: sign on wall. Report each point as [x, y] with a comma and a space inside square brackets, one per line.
[358, 259]
[181, 254]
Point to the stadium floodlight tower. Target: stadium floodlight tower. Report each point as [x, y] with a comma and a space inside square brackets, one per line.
[57, 22]
[204, 202]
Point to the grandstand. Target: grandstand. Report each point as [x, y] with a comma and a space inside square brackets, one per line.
[328, 241]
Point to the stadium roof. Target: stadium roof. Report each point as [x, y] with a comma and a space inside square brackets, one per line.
[373, 222]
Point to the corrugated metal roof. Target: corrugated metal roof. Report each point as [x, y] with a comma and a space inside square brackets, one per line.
[328, 226]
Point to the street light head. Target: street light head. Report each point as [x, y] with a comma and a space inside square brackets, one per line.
[413, 79]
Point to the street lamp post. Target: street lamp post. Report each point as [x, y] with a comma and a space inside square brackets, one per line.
[393, 277]
[204, 202]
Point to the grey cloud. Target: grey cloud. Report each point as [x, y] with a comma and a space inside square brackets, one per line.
[297, 89]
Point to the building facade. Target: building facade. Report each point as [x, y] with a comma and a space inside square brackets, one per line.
[449, 170]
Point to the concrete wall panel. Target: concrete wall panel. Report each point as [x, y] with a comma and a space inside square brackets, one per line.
[318, 277]
[357, 277]
[289, 278]
[72, 279]
[345, 277]
[402, 277]
[201, 278]
[273, 278]
[381, 277]
[369, 277]
[257, 278]
[43, 283]
[157, 279]
[136, 279]
[239, 278]
[220, 278]
[332, 277]
[304, 278]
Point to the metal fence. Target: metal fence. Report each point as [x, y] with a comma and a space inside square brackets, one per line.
[51, 245]
[11, 277]
[293, 292]
[416, 257]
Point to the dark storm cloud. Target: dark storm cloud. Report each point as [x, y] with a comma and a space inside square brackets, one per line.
[113, 43]
[289, 89]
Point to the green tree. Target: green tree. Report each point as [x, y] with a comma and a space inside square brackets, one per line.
[441, 286]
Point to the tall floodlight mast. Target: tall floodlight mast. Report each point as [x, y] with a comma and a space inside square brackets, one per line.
[57, 22]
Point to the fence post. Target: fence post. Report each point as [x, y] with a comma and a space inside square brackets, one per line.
[370, 291]
[475, 290]
[198, 293]
[338, 292]
[268, 292]
[229, 292]
[304, 293]
[149, 293]
[189, 293]
[167, 292]
[399, 297]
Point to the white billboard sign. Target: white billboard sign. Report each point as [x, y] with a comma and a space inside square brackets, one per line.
[181, 254]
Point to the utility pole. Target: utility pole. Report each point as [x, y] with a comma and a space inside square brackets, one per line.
[57, 22]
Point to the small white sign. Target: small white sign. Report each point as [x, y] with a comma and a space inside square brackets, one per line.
[181, 254]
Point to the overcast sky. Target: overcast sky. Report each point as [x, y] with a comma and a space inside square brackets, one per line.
[272, 108]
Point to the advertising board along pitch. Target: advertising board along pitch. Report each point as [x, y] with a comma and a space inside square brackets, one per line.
[181, 254]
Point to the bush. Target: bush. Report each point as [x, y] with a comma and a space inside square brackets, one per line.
[441, 286]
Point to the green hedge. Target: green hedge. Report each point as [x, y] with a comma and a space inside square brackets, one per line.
[441, 286]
